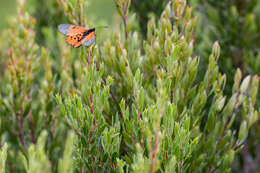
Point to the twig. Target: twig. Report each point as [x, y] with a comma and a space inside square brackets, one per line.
[125, 25]
[89, 60]
[31, 126]
[76, 130]
[154, 151]
[180, 166]
[214, 169]
[19, 118]
[92, 133]
[92, 110]
[181, 163]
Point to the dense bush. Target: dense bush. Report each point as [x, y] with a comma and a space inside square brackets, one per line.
[124, 104]
[236, 25]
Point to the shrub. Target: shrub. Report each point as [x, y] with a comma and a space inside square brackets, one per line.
[27, 105]
[235, 24]
[133, 105]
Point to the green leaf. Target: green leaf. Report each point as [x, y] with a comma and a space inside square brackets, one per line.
[243, 131]
[3, 156]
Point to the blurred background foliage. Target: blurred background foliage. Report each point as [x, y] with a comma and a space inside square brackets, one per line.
[7, 9]
[234, 23]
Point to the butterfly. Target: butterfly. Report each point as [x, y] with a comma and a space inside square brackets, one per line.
[78, 36]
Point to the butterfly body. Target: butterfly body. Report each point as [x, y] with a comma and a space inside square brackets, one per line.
[78, 36]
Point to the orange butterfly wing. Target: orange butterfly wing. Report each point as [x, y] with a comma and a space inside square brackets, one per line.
[75, 35]
[90, 38]
[78, 36]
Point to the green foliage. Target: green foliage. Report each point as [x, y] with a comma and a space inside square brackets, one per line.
[3, 155]
[143, 8]
[134, 105]
[235, 24]
[66, 164]
[7, 8]
[38, 161]
[27, 106]
[236, 27]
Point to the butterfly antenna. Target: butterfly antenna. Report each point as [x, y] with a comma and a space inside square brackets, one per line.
[102, 27]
